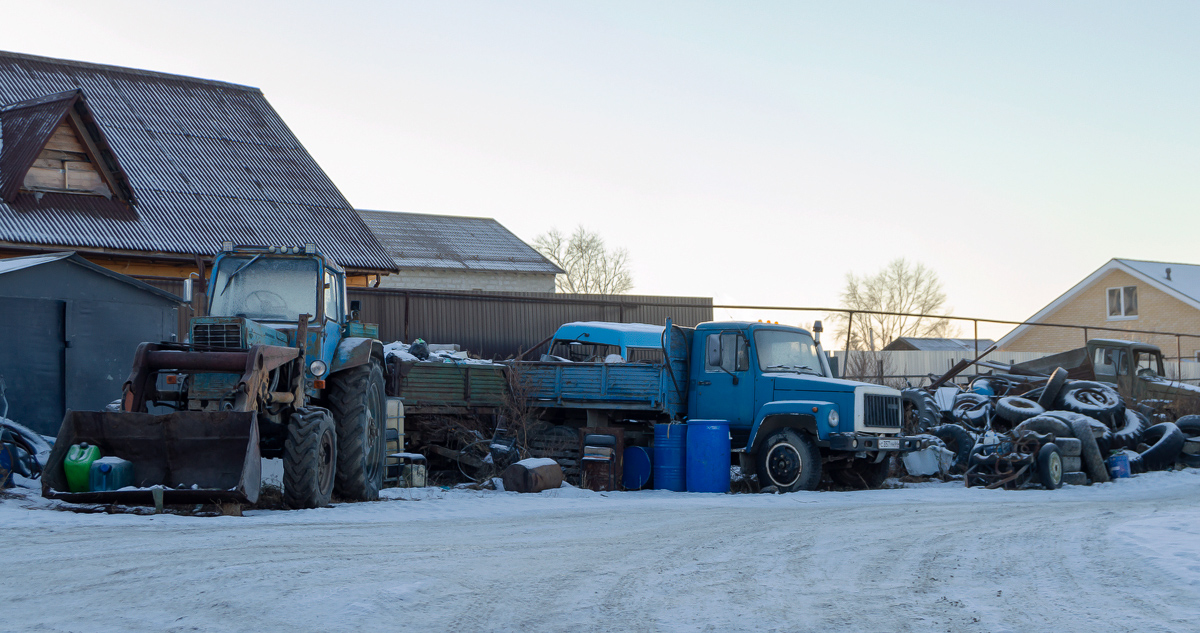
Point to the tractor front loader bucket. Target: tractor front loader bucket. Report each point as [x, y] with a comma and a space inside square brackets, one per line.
[195, 456]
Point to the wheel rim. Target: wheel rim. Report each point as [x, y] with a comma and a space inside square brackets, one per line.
[374, 433]
[325, 465]
[1056, 469]
[784, 464]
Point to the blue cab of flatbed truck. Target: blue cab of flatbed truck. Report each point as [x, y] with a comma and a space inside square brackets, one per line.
[789, 418]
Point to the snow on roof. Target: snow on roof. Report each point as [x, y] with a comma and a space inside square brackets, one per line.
[1184, 278]
[938, 344]
[19, 263]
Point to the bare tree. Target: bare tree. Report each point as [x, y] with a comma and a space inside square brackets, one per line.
[900, 287]
[591, 267]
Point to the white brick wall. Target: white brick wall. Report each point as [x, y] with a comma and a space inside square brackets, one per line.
[430, 279]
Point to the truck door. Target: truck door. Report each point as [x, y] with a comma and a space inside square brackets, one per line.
[724, 388]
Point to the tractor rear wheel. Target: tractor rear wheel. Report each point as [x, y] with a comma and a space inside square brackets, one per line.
[356, 398]
[309, 459]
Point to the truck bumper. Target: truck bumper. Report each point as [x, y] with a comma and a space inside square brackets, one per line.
[859, 442]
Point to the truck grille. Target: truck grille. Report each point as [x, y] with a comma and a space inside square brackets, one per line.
[217, 335]
[881, 411]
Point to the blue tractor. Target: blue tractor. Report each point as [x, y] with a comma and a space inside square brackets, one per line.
[279, 368]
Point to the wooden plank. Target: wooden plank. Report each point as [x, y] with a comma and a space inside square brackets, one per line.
[39, 178]
[113, 186]
[64, 139]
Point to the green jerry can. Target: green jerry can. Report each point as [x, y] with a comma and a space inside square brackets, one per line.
[78, 466]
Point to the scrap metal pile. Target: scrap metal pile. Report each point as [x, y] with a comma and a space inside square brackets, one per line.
[1015, 431]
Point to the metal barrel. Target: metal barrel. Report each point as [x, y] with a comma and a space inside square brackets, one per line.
[708, 449]
[670, 446]
[197, 457]
[635, 468]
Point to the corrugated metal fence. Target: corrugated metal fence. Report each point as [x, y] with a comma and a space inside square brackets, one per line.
[495, 324]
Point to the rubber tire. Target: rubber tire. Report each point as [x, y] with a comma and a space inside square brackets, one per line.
[1045, 424]
[1130, 434]
[1075, 478]
[959, 441]
[1053, 387]
[1050, 466]
[1168, 443]
[360, 430]
[1016, 409]
[782, 447]
[1100, 432]
[1189, 424]
[1109, 412]
[1069, 446]
[308, 466]
[1071, 464]
[865, 474]
[1093, 462]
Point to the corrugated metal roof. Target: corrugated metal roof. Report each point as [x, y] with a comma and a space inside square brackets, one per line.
[20, 263]
[1183, 278]
[208, 161]
[419, 240]
[14, 264]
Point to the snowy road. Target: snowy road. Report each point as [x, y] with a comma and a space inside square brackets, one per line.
[1115, 557]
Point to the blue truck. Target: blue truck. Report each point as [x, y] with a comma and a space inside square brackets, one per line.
[790, 419]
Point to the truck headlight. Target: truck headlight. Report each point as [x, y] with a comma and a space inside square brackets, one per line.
[317, 368]
[834, 418]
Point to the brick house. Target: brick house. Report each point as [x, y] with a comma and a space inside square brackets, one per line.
[1125, 294]
[445, 252]
[146, 173]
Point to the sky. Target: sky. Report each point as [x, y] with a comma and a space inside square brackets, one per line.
[755, 153]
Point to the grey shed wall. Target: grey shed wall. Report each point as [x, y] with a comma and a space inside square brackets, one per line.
[67, 338]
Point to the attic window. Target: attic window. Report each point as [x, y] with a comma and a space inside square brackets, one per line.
[66, 165]
[1122, 303]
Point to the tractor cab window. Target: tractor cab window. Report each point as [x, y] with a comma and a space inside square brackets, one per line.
[578, 352]
[1148, 363]
[264, 288]
[333, 297]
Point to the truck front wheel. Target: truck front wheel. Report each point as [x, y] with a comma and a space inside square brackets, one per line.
[356, 397]
[789, 461]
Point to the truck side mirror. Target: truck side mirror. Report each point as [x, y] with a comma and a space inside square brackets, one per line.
[355, 307]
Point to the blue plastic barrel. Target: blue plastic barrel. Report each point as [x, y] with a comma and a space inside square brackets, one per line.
[636, 470]
[708, 456]
[670, 446]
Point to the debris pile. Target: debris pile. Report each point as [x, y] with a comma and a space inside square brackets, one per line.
[1013, 431]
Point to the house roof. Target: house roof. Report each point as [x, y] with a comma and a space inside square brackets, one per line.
[207, 161]
[419, 240]
[14, 264]
[1184, 285]
[938, 344]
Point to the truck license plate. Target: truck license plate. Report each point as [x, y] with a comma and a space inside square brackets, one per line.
[885, 444]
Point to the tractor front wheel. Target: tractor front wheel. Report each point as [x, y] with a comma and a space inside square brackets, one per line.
[309, 459]
[356, 397]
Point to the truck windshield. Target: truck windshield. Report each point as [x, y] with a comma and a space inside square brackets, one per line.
[266, 288]
[786, 351]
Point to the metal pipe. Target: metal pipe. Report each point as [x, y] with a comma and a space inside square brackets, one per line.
[199, 361]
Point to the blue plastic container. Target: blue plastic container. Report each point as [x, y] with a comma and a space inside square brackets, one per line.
[1118, 466]
[708, 456]
[635, 471]
[110, 473]
[670, 451]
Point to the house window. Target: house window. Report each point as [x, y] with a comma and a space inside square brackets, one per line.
[1122, 303]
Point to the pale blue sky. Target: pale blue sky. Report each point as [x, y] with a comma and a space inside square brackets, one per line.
[754, 152]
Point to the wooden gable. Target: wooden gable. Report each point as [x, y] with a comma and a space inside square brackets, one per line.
[66, 165]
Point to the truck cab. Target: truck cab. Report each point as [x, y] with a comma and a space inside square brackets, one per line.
[785, 409]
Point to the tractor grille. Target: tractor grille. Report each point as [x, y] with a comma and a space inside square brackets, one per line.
[217, 335]
[881, 410]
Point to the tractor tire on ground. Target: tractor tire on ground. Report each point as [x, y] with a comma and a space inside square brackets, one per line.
[1092, 460]
[1071, 464]
[958, 441]
[1053, 387]
[1050, 466]
[1016, 410]
[309, 459]
[356, 399]
[1075, 478]
[790, 461]
[1129, 435]
[863, 474]
[1168, 443]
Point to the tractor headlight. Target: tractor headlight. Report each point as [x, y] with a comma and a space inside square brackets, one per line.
[834, 418]
[318, 368]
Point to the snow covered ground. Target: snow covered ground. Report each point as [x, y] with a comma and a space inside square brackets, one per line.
[1123, 556]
